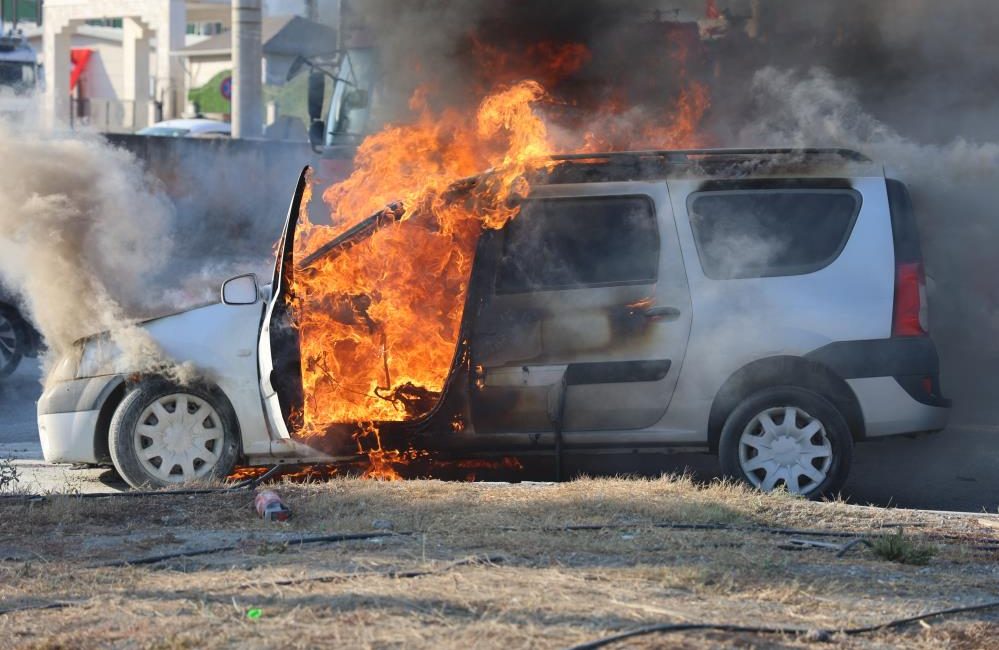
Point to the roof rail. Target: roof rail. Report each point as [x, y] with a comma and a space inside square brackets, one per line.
[686, 155]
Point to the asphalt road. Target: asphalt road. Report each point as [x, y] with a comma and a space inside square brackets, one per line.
[17, 404]
[957, 469]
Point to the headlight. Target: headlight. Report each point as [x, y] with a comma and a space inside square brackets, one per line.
[65, 367]
[99, 357]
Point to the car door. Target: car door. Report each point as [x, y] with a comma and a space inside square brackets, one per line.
[589, 304]
[278, 353]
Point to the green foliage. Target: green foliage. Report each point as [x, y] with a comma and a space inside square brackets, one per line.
[899, 548]
[209, 97]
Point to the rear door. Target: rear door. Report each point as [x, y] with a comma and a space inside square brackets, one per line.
[589, 300]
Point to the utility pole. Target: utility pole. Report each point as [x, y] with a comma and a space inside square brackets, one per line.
[247, 55]
[312, 10]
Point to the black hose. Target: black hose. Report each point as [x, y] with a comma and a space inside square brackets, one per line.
[318, 539]
[680, 526]
[62, 604]
[394, 574]
[810, 634]
[249, 483]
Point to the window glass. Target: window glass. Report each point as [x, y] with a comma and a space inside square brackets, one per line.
[18, 75]
[567, 243]
[765, 233]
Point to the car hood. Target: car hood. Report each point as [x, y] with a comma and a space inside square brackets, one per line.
[156, 318]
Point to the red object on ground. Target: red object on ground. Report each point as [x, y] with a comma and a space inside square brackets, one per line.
[270, 507]
[78, 56]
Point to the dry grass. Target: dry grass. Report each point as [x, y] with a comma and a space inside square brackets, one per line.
[476, 565]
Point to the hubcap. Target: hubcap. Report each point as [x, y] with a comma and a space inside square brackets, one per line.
[785, 446]
[8, 341]
[179, 438]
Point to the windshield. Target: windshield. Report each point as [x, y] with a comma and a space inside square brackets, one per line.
[165, 131]
[350, 102]
[18, 75]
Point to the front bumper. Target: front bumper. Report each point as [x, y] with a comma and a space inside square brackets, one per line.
[68, 417]
[69, 437]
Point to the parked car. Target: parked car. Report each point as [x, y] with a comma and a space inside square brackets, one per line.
[766, 305]
[18, 339]
[189, 128]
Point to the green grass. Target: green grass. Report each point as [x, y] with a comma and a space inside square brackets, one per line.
[899, 548]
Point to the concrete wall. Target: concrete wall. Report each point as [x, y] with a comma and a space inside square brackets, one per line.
[231, 195]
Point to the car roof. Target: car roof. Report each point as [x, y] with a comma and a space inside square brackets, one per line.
[707, 163]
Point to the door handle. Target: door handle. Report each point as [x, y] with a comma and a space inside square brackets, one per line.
[665, 313]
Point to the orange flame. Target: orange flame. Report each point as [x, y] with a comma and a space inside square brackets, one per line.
[378, 327]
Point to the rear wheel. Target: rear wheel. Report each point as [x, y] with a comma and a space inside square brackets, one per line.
[790, 437]
[12, 342]
[163, 434]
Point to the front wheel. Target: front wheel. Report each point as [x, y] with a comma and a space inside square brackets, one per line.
[163, 434]
[787, 436]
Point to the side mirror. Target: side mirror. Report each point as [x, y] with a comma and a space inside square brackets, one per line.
[317, 134]
[295, 67]
[317, 93]
[240, 290]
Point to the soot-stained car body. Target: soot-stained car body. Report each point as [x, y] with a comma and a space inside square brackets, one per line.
[766, 305]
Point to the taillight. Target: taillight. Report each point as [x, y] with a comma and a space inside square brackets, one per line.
[910, 316]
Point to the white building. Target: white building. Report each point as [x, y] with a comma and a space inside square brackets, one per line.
[137, 69]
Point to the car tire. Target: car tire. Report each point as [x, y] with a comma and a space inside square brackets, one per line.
[163, 434]
[13, 343]
[787, 436]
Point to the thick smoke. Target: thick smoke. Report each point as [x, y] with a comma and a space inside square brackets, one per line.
[458, 50]
[953, 190]
[926, 68]
[82, 229]
[95, 239]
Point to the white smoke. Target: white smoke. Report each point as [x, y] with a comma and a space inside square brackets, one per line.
[82, 228]
[953, 187]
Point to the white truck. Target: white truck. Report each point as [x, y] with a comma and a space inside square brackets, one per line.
[20, 76]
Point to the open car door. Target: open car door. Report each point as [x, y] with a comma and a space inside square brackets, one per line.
[278, 349]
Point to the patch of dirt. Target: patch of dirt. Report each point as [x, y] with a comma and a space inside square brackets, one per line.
[479, 565]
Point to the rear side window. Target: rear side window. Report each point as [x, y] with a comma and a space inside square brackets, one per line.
[571, 243]
[771, 232]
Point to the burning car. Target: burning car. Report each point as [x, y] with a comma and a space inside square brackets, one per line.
[766, 305]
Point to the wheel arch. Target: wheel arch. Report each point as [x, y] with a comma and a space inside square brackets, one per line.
[115, 393]
[108, 402]
[784, 371]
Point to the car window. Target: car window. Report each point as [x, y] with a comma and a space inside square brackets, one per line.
[770, 232]
[164, 131]
[16, 74]
[580, 242]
